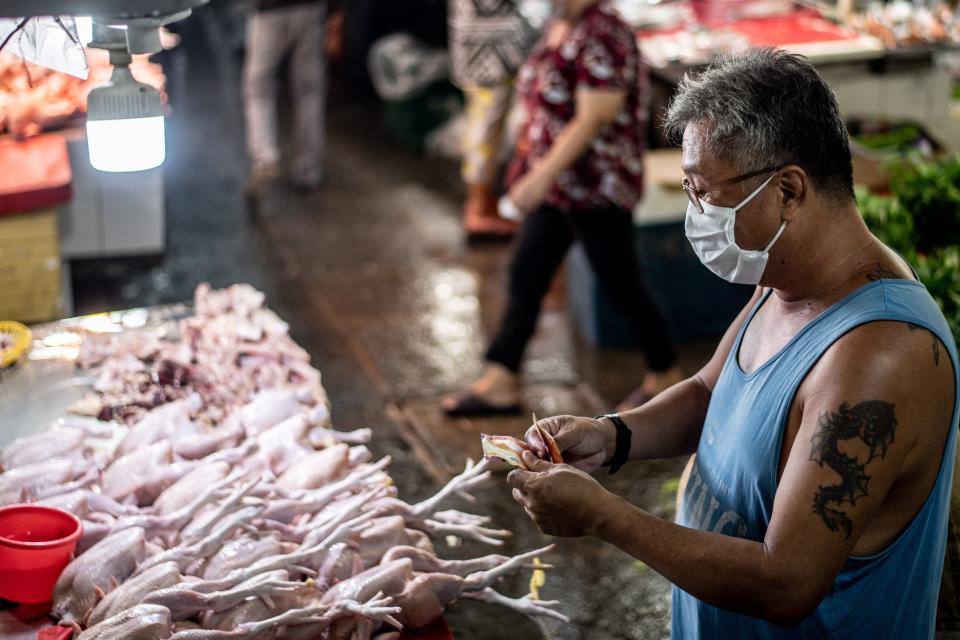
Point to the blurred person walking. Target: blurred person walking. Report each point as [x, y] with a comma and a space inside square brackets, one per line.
[489, 39]
[279, 31]
[577, 175]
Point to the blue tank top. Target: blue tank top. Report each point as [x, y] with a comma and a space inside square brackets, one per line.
[892, 594]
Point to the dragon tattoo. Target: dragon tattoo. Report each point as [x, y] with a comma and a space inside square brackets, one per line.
[871, 421]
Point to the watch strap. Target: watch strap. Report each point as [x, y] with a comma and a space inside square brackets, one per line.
[621, 452]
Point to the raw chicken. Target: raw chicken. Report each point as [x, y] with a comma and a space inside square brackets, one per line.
[140, 622]
[239, 552]
[423, 596]
[185, 601]
[186, 554]
[425, 562]
[317, 469]
[202, 519]
[181, 492]
[226, 356]
[153, 524]
[103, 566]
[59, 443]
[266, 410]
[134, 591]
[30, 480]
[172, 422]
[213, 516]
[286, 509]
[313, 620]
[386, 533]
[84, 503]
[129, 474]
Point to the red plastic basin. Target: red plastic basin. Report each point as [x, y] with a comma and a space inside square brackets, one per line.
[36, 543]
[436, 630]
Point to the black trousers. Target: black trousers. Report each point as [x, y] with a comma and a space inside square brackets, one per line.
[607, 238]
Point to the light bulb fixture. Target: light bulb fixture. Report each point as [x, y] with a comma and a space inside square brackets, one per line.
[125, 124]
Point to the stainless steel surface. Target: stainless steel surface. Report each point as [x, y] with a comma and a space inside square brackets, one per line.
[36, 392]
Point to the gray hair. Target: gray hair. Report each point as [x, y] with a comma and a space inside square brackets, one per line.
[767, 108]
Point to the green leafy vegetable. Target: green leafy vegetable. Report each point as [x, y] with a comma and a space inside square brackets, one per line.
[922, 221]
[930, 191]
[889, 221]
[940, 273]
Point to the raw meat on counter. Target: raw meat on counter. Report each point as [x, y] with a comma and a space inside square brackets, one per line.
[904, 24]
[210, 516]
[231, 349]
[34, 99]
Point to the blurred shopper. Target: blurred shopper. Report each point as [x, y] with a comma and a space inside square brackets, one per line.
[488, 41]
[279, 31]
[577, 174]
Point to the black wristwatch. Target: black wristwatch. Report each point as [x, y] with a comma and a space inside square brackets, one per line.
[621, 452]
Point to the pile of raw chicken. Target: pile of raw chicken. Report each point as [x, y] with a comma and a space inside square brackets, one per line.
[34, 99]
[265, 523]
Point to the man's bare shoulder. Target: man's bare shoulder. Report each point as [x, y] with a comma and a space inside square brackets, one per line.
[889, 359]
[887, 350]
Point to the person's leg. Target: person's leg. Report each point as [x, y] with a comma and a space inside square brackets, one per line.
[544, 239]
[486, 112]
[266, 46]
[607, 237]
[308, 86]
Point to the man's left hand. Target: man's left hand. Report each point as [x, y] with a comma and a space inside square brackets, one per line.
[561, 500]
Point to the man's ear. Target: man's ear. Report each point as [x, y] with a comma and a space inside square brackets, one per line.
[793, 185]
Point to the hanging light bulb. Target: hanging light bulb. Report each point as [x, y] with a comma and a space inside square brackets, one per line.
[125, 124]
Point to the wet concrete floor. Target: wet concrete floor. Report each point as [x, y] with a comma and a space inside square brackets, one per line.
[377, 283]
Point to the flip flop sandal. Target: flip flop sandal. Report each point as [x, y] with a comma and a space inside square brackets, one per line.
[469, 404]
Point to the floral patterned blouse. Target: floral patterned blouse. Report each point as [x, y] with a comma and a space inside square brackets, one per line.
[600, 52]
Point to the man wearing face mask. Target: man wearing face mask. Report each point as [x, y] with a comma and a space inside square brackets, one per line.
[825, 424]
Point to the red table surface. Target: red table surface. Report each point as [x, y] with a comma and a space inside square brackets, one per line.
[436, 630]
[34, 173]
[800, 27]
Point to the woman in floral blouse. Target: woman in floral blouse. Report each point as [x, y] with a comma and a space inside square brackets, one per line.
[577, 175]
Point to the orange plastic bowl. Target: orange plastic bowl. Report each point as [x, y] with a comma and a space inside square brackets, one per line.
[36, 544]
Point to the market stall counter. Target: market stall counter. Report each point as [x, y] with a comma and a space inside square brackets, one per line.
[195, 445]
[871, 76]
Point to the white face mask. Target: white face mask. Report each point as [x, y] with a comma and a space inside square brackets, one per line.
[711, 235]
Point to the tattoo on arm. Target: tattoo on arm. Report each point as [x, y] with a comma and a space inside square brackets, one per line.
[881, 272]
[871, 421]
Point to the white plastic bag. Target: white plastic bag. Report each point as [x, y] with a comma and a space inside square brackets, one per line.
[401, 66]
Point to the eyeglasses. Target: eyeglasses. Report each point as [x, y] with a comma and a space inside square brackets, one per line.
[695, 195]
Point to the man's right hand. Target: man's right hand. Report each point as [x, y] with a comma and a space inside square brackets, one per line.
[586, 443]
